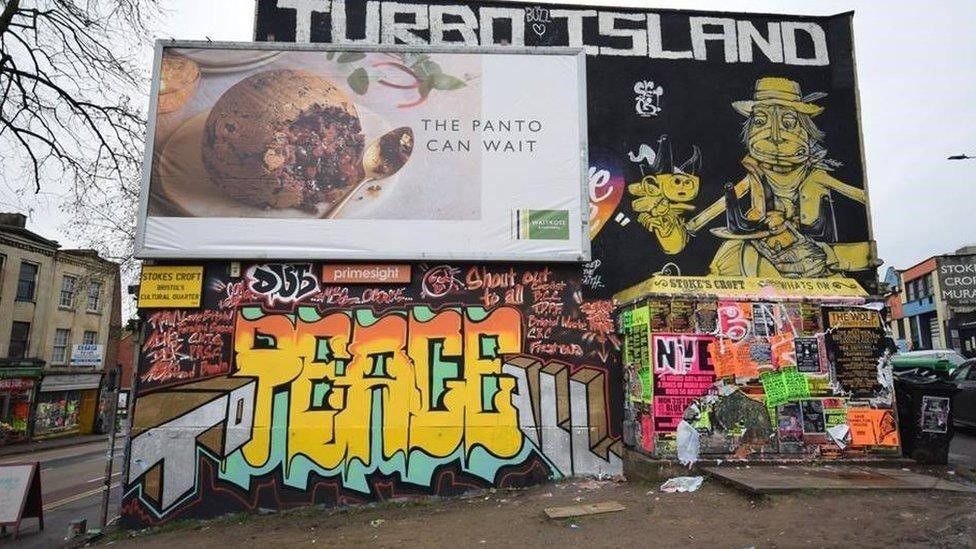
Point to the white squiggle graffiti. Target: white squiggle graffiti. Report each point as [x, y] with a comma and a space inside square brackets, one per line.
[647, 101]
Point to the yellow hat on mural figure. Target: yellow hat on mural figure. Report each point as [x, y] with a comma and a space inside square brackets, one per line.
[772, 90]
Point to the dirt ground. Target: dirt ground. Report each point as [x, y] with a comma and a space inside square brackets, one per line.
[714, 516]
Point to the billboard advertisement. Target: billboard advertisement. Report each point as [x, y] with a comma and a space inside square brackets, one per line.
[372, 152]
[720, 144]
[957, 279]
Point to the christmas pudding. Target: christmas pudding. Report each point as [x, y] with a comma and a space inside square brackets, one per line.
[284, 139]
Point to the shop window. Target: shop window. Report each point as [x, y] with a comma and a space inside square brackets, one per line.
[57, 412]
[26, 281]
[90, 337]
[94, 297]
[15, 409]
[59, 353]
[68, 284]
[19, 334]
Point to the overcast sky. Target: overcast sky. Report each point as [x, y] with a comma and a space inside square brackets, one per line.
[916, 65]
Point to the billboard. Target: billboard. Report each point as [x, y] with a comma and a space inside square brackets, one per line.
[378, 152]
[957, 279]
[720, 144]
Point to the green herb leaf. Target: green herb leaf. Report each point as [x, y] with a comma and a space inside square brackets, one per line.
[446, 82]
[425, 87]
[350, 56]
[431, 67]
[411, 58]
[359, 81]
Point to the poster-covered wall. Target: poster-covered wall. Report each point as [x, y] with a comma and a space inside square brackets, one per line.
[720, 144]
[753, 378]
[466, 377]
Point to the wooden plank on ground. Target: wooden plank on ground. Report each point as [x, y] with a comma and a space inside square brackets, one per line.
[583, 509]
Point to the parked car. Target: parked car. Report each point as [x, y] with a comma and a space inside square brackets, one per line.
[964, 403]
[941, 361]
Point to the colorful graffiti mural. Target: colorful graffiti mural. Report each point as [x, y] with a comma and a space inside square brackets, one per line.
[286, 388]
[759, 175]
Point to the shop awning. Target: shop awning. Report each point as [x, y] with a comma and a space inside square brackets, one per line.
[70, 382]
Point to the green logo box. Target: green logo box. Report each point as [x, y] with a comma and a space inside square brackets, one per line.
[542, 225]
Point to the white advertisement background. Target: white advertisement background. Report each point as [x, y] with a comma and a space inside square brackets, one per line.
[513, 86]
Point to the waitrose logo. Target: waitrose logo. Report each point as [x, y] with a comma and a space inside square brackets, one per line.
[540, 224]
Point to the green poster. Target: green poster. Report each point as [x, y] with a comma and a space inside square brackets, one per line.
[640, 315]
[783, 386]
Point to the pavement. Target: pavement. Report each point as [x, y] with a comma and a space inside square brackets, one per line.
[49, 444]
[962, 453]
[71, 485]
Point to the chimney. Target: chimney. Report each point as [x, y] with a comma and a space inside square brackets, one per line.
[13, 219]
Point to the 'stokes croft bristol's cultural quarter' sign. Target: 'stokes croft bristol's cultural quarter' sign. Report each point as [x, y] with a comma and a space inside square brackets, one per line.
[366, 153]
[719, 143]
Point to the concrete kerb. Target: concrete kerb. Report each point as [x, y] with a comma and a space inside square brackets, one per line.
[639, 466]
[49, 444]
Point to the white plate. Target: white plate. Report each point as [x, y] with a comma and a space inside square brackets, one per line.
[227, 61]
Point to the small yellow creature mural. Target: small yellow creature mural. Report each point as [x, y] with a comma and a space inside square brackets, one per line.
[780, 219]
[664, 197]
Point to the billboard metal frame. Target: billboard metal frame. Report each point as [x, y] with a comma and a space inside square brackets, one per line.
[142, 253]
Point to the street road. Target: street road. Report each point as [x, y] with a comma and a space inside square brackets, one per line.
[71, 483]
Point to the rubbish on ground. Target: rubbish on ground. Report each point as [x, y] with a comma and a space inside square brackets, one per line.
[582, 510]
[592, 484]
[682, 484]
[688, 443]
[376, 522]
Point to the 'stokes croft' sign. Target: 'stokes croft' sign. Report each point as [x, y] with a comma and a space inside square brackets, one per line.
[600, 32]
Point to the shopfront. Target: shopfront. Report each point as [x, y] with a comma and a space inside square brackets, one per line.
[66, 404]
[16, 395]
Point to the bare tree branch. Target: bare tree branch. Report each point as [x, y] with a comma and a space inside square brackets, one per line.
[68, 71]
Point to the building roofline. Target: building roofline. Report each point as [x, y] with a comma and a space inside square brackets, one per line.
[30, 235]
[900, 271]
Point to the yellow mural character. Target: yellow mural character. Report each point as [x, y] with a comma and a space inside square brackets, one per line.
[780, 218]
[662, 199]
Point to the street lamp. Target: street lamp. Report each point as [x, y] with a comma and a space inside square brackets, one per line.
[961, 157]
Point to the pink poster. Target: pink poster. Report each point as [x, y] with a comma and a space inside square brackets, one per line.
[683, 371]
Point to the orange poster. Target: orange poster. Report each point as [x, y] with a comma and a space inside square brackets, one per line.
[784, 350]
[872, 427]
[723, 357]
